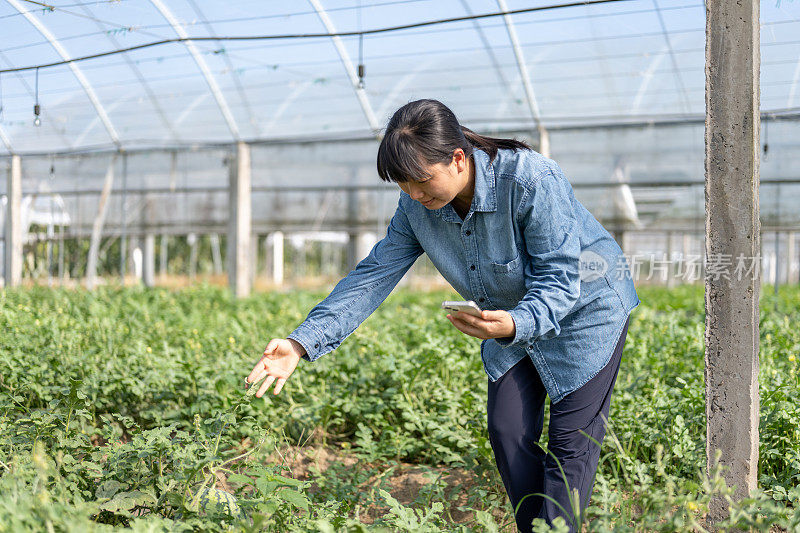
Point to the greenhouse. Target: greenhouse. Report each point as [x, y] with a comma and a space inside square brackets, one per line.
[184, 180]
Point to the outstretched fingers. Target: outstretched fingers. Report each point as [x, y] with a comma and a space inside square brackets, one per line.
[258, 373]
[265, 386]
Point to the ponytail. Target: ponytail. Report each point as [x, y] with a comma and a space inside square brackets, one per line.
[490, 145]
[424, 133]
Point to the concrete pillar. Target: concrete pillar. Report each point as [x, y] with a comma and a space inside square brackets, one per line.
[777, 261]
[359, 239]
[267, 256]
[12, 261]
[619, 236]
[670, 262]
[253, 259]
[772, 272]
[51, 233]
[61, 254]
[240, 222]
[352, 221]
[133, 245]
[149, 273]
[163, 256]
[137, 260]
[366, 241]
[123, 258]
[300, 258]
[97, 226]
[277, 258]
[216, 253]
[191, 239]
[732, 227]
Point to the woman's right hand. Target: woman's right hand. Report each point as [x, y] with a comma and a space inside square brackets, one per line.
[279, 361]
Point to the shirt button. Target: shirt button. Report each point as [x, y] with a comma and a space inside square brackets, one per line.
[472, 267]
[316, 345]
[481, 300]
[467, 233]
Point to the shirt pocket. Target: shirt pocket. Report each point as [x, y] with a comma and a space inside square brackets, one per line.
[508, 267]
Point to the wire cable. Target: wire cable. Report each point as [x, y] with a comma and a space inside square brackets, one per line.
[315, 35]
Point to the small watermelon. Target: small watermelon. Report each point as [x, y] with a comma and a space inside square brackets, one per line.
[215, 501]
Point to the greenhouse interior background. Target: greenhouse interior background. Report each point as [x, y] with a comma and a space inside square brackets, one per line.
[131, 162]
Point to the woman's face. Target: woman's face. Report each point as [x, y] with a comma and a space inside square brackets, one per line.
[446, 182]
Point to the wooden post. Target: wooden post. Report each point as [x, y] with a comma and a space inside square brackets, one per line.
[732, 228]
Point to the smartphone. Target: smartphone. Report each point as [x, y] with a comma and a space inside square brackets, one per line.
[466, 307]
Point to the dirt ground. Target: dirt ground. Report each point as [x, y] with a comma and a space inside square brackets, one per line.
[404, 481]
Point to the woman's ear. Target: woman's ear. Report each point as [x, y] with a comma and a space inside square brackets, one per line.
[460, 160]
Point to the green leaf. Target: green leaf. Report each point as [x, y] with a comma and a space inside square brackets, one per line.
[297, 499]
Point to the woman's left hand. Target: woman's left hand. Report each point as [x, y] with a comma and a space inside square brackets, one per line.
[490, 325]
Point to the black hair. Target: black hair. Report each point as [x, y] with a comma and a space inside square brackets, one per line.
[426, 132]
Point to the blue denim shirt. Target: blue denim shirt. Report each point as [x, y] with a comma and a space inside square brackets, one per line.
[527, 246]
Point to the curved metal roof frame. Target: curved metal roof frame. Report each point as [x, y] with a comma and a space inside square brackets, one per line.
[678, 79]
[795, 79]
[45, 110]
[209, 77]
[492, 56]
[361, 94]
[6, 140]
[236, 78]
[530, 96]
[87, 87]
[646, 78]
[284, 105]
[138, 73]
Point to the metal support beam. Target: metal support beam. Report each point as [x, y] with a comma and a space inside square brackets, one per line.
[240, 222]
[732, 230]
[530, 96]
[76, 71]
[361, 94]
[13, 230]
[201, 64]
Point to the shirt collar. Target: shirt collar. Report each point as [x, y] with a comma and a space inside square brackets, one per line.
[484, 197]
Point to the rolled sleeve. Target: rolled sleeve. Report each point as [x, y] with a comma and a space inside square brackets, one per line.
[360, 293]
[550, 232]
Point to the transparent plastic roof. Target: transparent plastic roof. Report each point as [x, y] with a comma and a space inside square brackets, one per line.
[610, 62]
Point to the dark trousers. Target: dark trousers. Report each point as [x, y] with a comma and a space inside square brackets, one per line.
[515, 410]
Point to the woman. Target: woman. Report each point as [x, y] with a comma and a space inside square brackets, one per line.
[501, 224]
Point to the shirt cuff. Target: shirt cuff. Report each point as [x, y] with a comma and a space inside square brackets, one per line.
[523, 323]
[310, 340]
